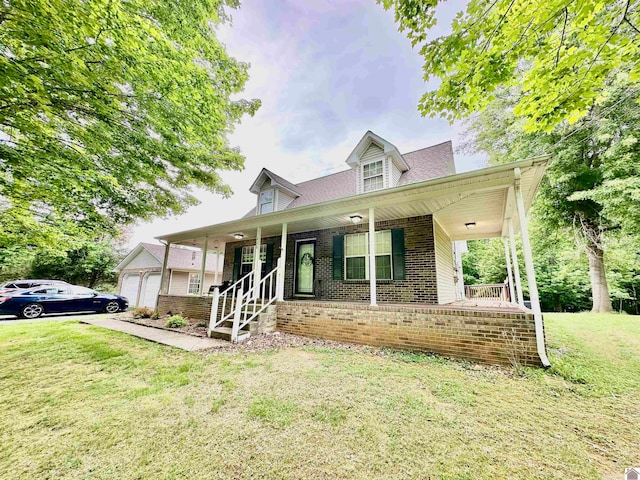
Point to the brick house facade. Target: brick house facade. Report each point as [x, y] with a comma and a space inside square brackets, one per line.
[418, 286]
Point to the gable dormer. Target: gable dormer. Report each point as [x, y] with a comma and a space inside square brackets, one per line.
[377, 163]
[274, 192]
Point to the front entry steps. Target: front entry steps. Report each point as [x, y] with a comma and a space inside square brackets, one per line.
[263, 323]
[223, 331]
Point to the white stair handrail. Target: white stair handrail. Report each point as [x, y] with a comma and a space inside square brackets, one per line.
[249, 306]
[227, 299]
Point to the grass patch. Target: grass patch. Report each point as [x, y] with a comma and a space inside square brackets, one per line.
[272, 411]
[84, 402]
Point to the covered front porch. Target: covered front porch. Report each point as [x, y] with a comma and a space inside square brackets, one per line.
[301, 265]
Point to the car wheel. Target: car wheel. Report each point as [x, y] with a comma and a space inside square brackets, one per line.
[31, 310]
[112, 307]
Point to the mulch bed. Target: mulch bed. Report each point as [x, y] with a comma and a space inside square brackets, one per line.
[194, 328]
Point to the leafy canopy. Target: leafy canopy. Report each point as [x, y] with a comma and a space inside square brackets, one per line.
[558, 52]
[112, 110]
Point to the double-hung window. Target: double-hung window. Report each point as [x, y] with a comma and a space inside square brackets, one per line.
[247, 257]
[265, 202]
[194, 284]
[372, 174]
[356, 256]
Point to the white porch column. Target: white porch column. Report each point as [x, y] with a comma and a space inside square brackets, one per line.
[283, 260]
[514, 258]
[507, 257]
[257, 265]
[531, 274]
[203, 267]
[164, 290]
[372, 258]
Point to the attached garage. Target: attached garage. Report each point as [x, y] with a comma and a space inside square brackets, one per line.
[150, 289]
[129, 289]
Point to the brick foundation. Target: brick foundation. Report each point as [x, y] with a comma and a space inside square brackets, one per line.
[191, 306]
[486, 336]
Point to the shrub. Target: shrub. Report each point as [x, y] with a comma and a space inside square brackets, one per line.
[176, 321]
[155, 315]
[142, 312]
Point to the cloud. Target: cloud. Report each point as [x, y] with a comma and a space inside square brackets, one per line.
[326, 72]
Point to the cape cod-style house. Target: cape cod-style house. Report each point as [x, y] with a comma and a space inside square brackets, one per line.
[369, 255]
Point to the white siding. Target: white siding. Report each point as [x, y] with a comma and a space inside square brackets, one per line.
[143, 260]
[374, 152]
[283, 200]
[445, 269]
[395, 175]
[179, 283]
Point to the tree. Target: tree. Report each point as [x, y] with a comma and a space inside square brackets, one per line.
[559, 54]
[111, 111]
[90, 265]
[600, 149]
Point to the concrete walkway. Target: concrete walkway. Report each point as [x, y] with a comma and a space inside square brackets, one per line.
[165, 337]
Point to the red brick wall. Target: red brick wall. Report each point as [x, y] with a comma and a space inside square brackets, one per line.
[484, 336]
[188, 305]
[418, 287]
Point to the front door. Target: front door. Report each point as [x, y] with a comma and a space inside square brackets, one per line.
[305, 262]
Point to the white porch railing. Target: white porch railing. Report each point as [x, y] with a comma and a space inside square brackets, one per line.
[494, 291]
[241, 302]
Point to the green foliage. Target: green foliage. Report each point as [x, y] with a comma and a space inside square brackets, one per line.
[142, 312]
[111, 111]
[155, 315]
[558, 53]
[176, 321]
[90, 264]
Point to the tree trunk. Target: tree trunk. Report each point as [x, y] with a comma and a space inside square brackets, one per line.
[599, 287]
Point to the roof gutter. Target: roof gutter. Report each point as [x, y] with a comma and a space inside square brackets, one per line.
[282, 215]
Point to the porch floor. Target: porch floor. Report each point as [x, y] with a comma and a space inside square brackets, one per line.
[469, 305]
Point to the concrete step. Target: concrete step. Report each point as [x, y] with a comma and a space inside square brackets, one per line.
[224, 333]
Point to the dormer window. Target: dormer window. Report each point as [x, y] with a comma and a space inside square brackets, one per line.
[265, 204]
[373, 176]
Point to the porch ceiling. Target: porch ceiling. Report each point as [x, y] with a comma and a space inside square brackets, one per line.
[483, 196]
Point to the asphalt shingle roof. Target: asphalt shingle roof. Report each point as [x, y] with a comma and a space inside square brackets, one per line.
[424, 164]
[182, 258]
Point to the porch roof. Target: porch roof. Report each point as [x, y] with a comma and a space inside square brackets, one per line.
[484, 197]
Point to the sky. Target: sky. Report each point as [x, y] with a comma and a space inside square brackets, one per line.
[326, 71]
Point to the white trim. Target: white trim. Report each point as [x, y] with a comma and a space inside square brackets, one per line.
[531, 274]
[170, 282]
[491, 178]
[516, 265]
[507, 257]
[189, 282]
[283, 260]
[372, 257]
[295, 267]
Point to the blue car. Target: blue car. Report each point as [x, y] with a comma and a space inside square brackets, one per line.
[59, 298]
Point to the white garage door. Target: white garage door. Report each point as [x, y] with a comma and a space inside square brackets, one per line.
[129, 288]
[150, 289]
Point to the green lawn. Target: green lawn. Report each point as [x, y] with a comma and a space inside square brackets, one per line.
[82, 402]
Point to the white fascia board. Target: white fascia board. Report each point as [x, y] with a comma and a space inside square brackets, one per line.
[387, 196]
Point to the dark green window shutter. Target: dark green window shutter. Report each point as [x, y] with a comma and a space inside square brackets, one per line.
[397, 247]
[338, 256]
[237, 260]
[269, 260]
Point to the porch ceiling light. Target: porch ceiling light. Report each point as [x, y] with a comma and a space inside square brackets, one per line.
[355, 218]
[238, 236]
[470, 225]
